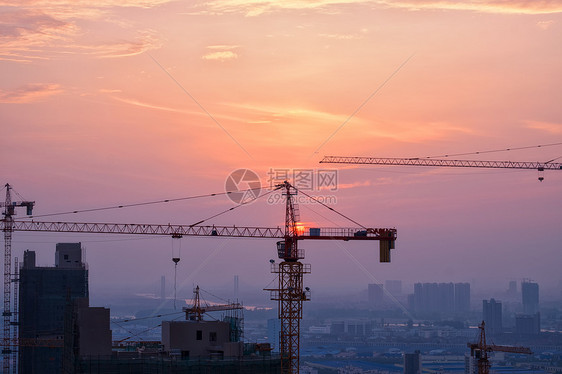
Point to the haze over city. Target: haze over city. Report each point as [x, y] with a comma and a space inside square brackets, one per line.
[112, 103]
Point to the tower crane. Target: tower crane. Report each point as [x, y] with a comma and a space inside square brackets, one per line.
[416, 161]
[196, 311]
[7, 227]
[480, 350]
[289, 293]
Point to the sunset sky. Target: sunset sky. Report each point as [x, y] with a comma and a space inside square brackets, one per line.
[114, 102]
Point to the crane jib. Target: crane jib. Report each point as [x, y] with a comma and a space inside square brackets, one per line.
[323, 233]
[541, 166]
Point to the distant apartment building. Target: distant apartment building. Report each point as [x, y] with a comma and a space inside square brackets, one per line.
[440, 298]
[492, 316]
[462, 297]
[528, 324]
[359, 328]
[470, 364]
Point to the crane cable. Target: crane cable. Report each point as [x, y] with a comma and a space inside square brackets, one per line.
[139, 204]
[499, 150]
[234, 207]
[329, 207]
[141, 332]
[143, 318]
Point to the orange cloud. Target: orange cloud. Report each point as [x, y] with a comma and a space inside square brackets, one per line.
[123, 49]
[29, 93]
[221, 53]
[23, 32]
[259, 7]
[545, 25]
[549, 127]
[485, 6]
[28, 34]
[220, 56]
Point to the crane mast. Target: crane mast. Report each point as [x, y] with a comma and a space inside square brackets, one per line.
[289, 293]
[8, 227]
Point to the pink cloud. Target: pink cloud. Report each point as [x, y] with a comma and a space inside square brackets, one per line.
[29, 93]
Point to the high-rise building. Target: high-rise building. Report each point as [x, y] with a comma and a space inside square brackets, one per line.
[462, 297]
[376, 294]
[492, 315]
[412, 363]
[44, 294]
[441, 297]
[512, 289]
[446, 302]
[530, 297]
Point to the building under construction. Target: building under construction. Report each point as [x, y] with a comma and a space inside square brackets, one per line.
[60, 333]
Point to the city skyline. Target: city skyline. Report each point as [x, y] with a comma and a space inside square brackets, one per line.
[107, 103]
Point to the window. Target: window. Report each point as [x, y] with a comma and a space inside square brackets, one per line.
[199, 335]
[212, 336]
[66, 257]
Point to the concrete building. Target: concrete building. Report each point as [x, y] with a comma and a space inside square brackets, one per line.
[201, 339]
[44, 293]
[492, 315]
[87, 334]
[412, 363]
